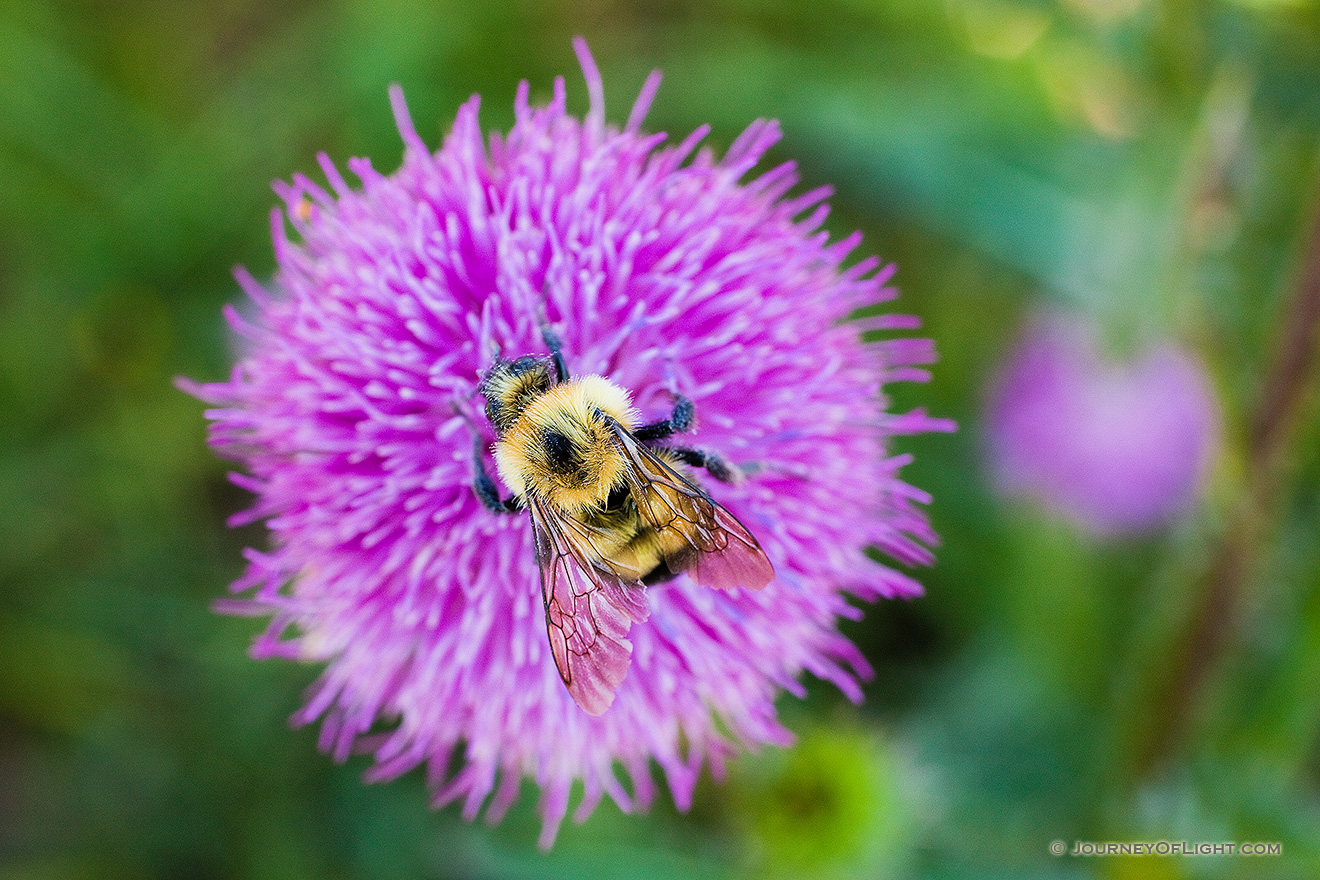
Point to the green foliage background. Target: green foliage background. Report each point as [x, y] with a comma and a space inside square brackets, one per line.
[1151, 162]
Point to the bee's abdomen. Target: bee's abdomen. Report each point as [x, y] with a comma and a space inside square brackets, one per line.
[659, 575]
[650, 556]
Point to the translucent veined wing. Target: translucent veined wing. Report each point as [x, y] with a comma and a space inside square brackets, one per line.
[700, 536]
[588, 610]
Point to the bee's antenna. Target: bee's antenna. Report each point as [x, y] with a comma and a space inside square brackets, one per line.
[553, 343]
[542, 315]
[458, 411]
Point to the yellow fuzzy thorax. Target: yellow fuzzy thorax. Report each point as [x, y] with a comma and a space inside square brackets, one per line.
[527, 465]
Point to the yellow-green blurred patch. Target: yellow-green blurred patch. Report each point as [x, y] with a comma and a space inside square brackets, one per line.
[829, 807]
[123, 334]
[57, 679]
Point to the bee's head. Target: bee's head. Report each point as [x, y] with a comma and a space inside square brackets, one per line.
[509, 386]
[563, 447]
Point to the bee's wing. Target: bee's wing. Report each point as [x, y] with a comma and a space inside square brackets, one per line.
[716, 549]
[588, 611]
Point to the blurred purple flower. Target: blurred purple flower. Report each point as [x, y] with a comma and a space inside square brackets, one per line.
[1116, 447]
[659, 269]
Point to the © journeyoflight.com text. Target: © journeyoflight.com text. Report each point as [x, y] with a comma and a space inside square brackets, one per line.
[1165, 848]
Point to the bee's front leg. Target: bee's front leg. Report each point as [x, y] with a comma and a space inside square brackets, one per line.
[484, 486]
[681, 420]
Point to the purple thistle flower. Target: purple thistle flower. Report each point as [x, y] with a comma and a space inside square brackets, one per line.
[353, 407]
[1115, 447]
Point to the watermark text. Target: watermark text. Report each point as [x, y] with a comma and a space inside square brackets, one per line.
[1092, 848]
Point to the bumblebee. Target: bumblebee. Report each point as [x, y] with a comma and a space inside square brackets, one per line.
[613, 510]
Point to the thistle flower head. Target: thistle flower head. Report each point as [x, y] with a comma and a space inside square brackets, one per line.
[661, 267]
[1114, 445]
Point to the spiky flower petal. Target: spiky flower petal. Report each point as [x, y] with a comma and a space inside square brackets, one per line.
[662, 268]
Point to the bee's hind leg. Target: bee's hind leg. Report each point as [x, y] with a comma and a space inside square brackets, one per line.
[484, 486]
[681, 420]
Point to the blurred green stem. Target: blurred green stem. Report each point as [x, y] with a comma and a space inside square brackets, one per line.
[1211, 623]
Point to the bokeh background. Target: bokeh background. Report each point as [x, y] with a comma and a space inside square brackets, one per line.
[1150, 164]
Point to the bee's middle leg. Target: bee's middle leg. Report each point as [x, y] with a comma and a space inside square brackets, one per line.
[484, 486]
[714, 464]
